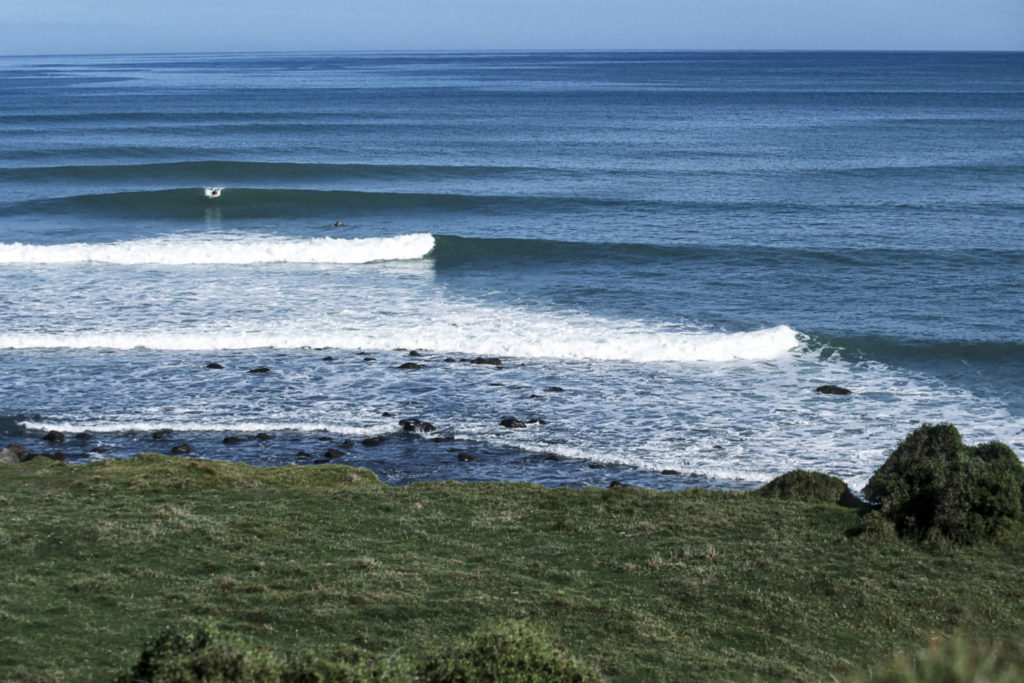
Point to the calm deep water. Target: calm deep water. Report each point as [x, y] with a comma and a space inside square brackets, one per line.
[685, 244]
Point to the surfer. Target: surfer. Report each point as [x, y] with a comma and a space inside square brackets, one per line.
[339, 224]
[212, 192]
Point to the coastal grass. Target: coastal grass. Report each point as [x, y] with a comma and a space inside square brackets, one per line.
[97, 559]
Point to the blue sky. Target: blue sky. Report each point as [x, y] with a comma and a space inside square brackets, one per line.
[119, 26]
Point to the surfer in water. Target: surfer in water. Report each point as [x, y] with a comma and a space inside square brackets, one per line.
[212, 192]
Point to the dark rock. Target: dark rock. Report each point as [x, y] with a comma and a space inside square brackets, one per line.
[374, 441]
[442, 439]
[53, 437]
[833, 390]
[14, 454]
[214, 366]
[233, 439]
[411, 424]
[161, 433]
[512, 423]
[324, 438]
[259, 371]
[596, 465]
[495, 384]
[554, 389]
[386, 414]
[328, 358]
[263, 436]
[534, 396]
[410, 366]
[369, 359]
[480, 360]
[181, 449]
[449, 360]
[83, 436]
[334, 453]
[303, 454]
[98, 449]
[551, 457]
[673, 472]
[347, 443]
[415, 354]
[466, 457]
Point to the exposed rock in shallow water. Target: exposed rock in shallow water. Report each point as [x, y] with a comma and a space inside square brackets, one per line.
[53, 437]
[334, 453]
[411, 424]
[415, 354]
[83, 436]
[347, 443]
[181, 449]
[161, 433]
[263, 436]
[369, 359]
[374, 441]
[480, 360]
[670, 472]
[328, 358]
[410, 366]
[15, 454]
[214, 366]
[833, 390]
[466, 457]
[259, 371]
[554, 389]
[512, 423]
[233, 439]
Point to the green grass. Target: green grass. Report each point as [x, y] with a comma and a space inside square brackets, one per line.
[642, 585]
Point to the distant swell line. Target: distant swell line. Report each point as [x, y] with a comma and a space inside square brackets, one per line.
[206, 251]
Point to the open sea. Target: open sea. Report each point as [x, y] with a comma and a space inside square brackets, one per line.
[668, 252]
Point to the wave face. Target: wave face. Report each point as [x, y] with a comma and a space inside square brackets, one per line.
[234, 250]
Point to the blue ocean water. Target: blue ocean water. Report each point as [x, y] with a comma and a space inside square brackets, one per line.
[668, 252]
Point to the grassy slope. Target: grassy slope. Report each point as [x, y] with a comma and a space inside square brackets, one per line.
[646, 586]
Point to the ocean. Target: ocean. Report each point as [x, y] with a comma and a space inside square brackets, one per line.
[667, 253]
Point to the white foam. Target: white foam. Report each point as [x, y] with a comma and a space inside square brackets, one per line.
[543, 337]
[227, 249]
[113, 427]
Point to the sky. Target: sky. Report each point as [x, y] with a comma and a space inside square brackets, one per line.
[34, 27]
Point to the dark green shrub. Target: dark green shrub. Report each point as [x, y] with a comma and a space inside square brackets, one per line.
[203, 654]
[933, 485]
[513, 653]
[809, 487]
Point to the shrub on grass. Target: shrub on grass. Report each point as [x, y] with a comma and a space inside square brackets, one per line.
[809, 487]
[514, 653]
[933, 485]
[203, 654]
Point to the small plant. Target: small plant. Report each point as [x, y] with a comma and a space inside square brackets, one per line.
[952, 661]
[935, 487]
[513, 653]
[809, 487]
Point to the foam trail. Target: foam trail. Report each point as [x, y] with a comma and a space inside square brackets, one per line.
[226, 250]
[527, 338]
[199, 427]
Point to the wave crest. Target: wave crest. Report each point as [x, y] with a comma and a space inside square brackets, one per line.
[180, 251]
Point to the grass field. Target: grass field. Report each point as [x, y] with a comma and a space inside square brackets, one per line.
[95, 559]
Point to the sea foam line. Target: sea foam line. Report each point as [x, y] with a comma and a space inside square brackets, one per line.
[522, 339]
[227, 250]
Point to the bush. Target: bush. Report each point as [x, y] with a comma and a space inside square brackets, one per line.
[933, 485]
[954, 661]
[809, 487]
[203, 655]
[513, 653]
